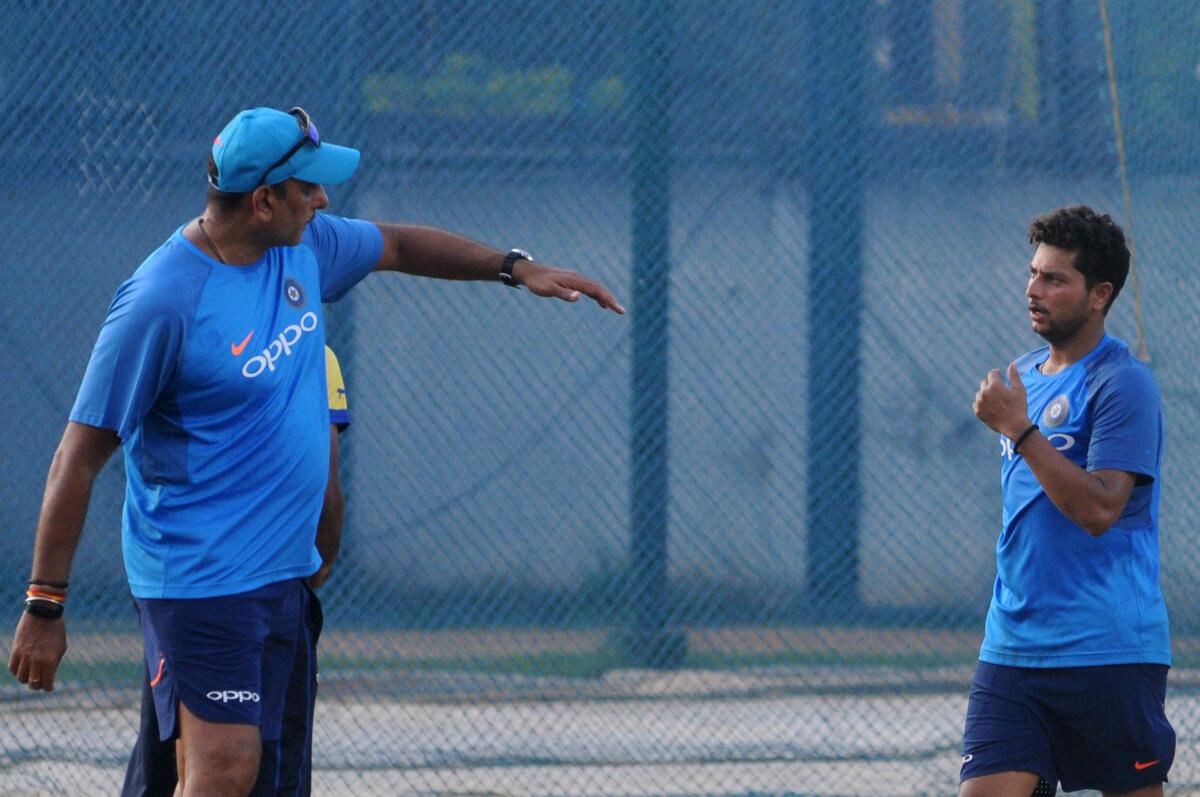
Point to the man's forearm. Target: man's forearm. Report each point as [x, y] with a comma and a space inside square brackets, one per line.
[429, 252]
[79, 458]
[329, 527]
[1093, 501]
[333, 512]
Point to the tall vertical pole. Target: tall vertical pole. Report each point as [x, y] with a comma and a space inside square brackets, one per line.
[648, 642]
[1075, 123]
[347, 121]
[836, 155]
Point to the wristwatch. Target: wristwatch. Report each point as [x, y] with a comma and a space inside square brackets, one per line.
[47, 610]
[509, 261]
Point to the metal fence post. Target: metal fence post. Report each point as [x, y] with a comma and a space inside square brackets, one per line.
[836, 151]
[648, 642]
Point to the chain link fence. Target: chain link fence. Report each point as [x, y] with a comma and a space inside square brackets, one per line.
[741, 542]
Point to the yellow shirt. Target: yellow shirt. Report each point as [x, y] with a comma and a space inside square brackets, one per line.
[339, 407]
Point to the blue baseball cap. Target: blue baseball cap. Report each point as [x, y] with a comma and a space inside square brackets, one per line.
[264, 146]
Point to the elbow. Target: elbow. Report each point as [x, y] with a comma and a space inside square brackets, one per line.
[71, 464]
[1098, 521]
[82, 452]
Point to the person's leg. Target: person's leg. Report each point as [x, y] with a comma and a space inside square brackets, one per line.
[1006, 749]
[151, 769]
[1000, 784]
[217, 759]
[1154, 790]
[1117, 738]
[226, 665]
[286, 766]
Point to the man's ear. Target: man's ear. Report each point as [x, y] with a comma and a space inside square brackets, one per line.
[262, 203]
[1100, 294]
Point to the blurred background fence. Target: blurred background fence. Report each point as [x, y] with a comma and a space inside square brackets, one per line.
[740, 542]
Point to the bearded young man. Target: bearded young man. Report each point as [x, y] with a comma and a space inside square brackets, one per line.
[1072, 672]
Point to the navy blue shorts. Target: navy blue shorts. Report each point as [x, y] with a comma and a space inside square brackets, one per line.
[1101, 728]
[288, 617]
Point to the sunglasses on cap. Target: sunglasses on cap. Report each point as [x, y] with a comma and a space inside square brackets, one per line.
[310, 133]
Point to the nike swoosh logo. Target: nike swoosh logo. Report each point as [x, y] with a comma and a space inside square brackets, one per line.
[161, 663]
[238, 348]
[1139, 766]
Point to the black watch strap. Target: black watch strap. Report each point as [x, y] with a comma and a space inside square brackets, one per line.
[506, 275]
[48, 610]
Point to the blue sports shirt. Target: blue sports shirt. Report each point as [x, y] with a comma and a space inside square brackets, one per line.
[213, 376]
[1063, 598]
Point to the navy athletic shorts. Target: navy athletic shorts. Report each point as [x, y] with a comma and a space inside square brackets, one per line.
[286, 764]
[1101, 727]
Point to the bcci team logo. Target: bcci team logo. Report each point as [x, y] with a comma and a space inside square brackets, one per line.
[293, 291]
[1056, 412]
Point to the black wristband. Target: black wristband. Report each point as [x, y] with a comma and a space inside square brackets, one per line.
[1032, 428]
[55, 584]
[40, 607]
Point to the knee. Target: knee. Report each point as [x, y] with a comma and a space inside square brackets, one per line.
[221, 770]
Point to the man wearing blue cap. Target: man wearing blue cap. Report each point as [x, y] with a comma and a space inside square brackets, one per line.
[209, 370]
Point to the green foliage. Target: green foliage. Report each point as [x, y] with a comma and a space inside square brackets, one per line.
[468, 85]
[608, 94]
[390, 92]
[1026, 92]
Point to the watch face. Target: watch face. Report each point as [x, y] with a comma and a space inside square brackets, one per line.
[521, 253]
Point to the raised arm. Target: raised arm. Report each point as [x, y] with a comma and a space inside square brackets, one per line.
[40, 643]
[429, 252]
[1092, 500]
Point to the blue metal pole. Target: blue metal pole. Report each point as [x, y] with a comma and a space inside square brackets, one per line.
[836, 152]
[648, 641]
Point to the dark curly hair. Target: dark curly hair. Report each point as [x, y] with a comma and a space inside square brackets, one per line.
[1097, 241]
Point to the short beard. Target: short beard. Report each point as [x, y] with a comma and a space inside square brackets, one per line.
[1060, 332]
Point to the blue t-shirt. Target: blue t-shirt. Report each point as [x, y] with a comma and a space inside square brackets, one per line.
[213, 376]
[1063, 598]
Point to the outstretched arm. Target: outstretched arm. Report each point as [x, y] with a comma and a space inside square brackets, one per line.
[429, 252]
[40, 643]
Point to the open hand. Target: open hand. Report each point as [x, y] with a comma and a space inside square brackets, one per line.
[1003, 408]
[563, 284]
